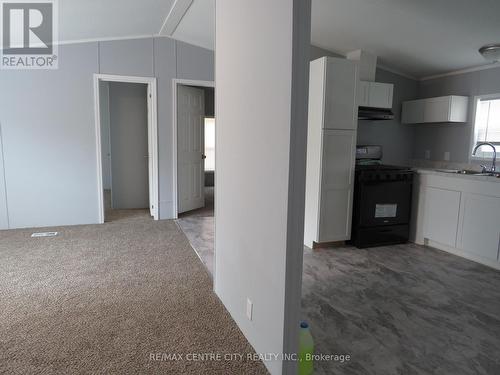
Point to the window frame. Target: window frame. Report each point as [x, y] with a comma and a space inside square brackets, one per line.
[489, 154]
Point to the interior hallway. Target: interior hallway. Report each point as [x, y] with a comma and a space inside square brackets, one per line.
[102, 298]
[111, 215]
[199, 228]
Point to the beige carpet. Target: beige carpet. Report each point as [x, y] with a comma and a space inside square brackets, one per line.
[103, 299]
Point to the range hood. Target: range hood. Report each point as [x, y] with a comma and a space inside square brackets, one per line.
[374, 98]
[375, 114]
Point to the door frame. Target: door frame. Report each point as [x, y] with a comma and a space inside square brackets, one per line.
[152, 136]
[176, 82]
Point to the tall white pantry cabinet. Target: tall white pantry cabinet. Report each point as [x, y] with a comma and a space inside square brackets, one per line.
[331, 150]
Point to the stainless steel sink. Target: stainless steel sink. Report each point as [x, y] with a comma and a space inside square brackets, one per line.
[475, 173]
[470, 172]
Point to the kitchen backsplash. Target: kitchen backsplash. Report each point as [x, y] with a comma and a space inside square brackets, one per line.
[431, 164]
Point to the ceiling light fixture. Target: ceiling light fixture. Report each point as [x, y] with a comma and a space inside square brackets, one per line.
[491, 52]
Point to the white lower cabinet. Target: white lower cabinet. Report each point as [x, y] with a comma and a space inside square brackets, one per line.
[480, 225]
[458, 215]
[441, 215]
[339, 149]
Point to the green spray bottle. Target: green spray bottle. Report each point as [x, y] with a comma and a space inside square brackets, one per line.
[306, 350]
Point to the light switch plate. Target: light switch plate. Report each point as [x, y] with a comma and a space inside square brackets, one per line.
[447, 156]
[427, 154]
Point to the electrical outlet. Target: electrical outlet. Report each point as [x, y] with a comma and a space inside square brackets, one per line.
[249, 309]
[427, 154]
[447, 156]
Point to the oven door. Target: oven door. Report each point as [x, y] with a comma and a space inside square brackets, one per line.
[384, 203]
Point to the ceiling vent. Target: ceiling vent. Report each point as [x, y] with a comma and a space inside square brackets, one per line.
[44, 234]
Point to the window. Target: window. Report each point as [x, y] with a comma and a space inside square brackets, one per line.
[210, 143]
[487, 124]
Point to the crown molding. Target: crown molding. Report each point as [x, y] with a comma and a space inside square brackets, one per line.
[110, 39]
[462, 71]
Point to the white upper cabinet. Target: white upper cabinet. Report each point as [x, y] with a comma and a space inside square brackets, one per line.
[375, 94]
[441, 109]
[341, 111]
[380, 95]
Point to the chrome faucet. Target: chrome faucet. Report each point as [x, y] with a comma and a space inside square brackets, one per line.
[493, 164]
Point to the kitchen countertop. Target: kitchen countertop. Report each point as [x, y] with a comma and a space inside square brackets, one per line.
[457, 175]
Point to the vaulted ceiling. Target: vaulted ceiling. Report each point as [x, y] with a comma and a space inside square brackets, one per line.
[419, 38]
[98, 19]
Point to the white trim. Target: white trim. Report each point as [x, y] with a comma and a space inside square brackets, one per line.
[462, 71]
[458, 252]
[489, 155]
[151, 82]
[174, 17]
[4, 175]
[110, 39]
[175, 83]
[132, 37]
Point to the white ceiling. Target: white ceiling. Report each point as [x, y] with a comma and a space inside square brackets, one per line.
[417, 37]
[100, 19]
[198, 24]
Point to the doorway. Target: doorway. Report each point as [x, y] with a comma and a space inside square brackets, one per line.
[194, 119]
[126, 133]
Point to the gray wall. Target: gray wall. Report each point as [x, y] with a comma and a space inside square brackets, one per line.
[48, 125]
[128, 107]
[49, 141]
[317, 52]
[454, 138]
[397, 139]
[209, 101]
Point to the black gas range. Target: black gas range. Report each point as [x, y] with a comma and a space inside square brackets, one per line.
[382, 200]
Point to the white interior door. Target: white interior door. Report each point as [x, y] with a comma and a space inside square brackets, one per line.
[190, 148]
